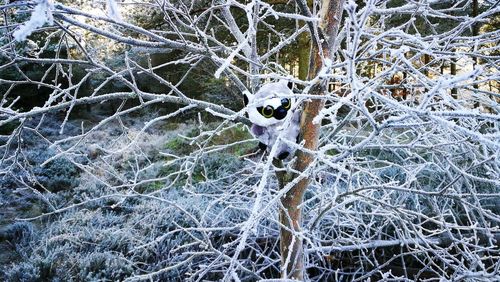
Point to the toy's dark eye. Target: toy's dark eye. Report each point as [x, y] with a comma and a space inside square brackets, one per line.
[286, 103]
[266, 111]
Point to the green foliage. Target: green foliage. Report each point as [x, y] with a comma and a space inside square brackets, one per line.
[234, 134]
[182, 146]
[179, 145]
[207, 167]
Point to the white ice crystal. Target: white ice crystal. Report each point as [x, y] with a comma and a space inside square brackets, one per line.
[113, 11]
[42, 13]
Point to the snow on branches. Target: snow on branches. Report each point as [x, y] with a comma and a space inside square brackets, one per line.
[113, 10]
[132, 145]
[42, 14]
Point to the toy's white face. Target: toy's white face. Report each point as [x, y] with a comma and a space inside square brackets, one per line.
[269, 106]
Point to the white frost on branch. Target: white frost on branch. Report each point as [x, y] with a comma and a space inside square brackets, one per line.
[41, 14]
[227, 62]
[406, 144]
[113, 11]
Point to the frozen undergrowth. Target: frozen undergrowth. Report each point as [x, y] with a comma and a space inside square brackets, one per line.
[175, 225]
[116, 233]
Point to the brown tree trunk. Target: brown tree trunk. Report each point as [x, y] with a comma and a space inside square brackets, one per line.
[453, 72]
[427, 60]
[291, 245]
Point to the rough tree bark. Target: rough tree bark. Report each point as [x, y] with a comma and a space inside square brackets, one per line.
[323, 38]
[304, 51]
[453, 71]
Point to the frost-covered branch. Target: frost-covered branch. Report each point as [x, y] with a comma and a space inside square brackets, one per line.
[123, 140]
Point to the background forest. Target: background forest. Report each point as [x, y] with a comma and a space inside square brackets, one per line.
[126, 153]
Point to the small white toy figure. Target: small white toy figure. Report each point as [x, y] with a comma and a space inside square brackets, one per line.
[268, 110]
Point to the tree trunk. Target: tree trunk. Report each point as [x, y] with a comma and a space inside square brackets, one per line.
[291, 245]
[304, 51]
[453, 72]
[427, 60]
[475, 32]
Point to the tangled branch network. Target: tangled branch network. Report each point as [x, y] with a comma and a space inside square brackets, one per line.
[136, 177]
